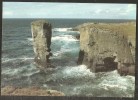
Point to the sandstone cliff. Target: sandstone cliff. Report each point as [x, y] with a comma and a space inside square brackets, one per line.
[41, 34]
[102, 46]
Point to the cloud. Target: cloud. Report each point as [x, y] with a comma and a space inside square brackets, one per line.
[68, 10]
[98, 11]
[119, 11]
[131, 7]
[7, 14]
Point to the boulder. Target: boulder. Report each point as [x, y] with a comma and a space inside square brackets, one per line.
[77, 36]
[103, 45]
[126, 70]
[41, 34]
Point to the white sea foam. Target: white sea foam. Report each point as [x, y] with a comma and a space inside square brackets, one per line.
[13, 59]
[92, 84]
[20, 71]
[67, 43]
[61, 52]
[60, 38]
[78, 71]
[67, 38]
[58, 53]
[73, 72]
[62, 29]
[30, 39]
[7, 60]
[109, 84]
[113, 81]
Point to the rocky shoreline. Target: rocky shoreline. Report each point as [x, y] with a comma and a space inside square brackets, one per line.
[28, 91]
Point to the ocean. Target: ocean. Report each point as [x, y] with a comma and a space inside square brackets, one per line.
[18, 68]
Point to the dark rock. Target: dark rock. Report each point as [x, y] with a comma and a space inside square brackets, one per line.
[81, 57]
[75, 29]
[77, 36]
[126, 70]
[41, 34]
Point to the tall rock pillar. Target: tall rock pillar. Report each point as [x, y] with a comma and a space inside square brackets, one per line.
[41, 34]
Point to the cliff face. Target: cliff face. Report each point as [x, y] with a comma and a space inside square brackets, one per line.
[41, 34]
[102, 46]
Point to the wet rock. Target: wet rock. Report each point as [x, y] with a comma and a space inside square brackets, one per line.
[98, 44]
[75, 29]
[77, 36]
[28, 91]
[41, 34]
[124, 70]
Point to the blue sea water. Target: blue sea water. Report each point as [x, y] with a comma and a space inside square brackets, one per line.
[18, 67]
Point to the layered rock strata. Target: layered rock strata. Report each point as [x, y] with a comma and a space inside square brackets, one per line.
[41, 34]
[102, 46]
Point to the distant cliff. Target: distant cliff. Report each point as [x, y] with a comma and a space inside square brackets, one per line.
[103, 45]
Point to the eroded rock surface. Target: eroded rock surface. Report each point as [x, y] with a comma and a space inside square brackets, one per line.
[41, 34]
[103, 45]
[28, 91]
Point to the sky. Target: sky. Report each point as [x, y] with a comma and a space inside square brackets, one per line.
[68, 10]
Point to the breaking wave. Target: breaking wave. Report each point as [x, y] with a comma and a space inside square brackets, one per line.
[30, 39]
[78, 80]
[62, 29]
[67, 38]
[20, 71]
[4, 60]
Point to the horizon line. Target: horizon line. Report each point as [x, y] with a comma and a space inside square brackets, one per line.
[69, 18]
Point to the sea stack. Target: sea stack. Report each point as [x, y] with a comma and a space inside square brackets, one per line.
[41, 34]
[103, 45]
